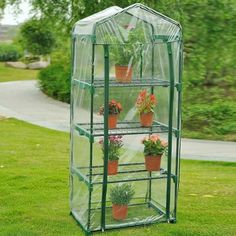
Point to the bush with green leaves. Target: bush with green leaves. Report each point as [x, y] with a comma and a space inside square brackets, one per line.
[211, 121]
[55, 81]
[121, 194]
[9, 52]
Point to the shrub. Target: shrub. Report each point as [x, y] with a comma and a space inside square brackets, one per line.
[9, 52]
[55, 81]
[214, 119]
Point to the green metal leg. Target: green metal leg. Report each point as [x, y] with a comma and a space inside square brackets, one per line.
[178, 146]
[171, 96]
[106, 101]
[91, 143]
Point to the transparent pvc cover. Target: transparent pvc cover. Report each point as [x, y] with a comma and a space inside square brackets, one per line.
[147, 45]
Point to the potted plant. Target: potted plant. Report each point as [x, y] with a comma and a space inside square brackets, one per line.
[154, 148]
[114, 109]
[145, 104]
[114, 145]
[125, 53]
[123, 56]
[120, 196]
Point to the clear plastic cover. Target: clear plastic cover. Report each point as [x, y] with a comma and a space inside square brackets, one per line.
[146, 45]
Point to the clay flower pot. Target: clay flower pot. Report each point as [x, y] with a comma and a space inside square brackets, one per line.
[112, 167]
[119, 212]
[153, 163]
[112, 121]
[123, 73]
[146, 119]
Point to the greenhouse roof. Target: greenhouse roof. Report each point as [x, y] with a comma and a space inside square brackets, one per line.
[160, 23]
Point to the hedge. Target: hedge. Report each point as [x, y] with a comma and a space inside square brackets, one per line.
[9, 52]
[55, 81]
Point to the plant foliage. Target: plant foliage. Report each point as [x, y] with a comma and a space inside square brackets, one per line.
[126, 52]
[154, 146]
[121, 194]
[145, 102]
[55, 81]
[114, 107]
[114, 146]
[9, 52]
[37, 37]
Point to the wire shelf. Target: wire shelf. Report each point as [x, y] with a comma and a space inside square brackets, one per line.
[142, 82]
[126, 173]
[123, 128]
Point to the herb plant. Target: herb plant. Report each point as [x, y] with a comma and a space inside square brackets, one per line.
[128, 51]
[121, 194]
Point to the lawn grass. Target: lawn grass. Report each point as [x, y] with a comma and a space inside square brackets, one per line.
[34, 189]
[13, 74]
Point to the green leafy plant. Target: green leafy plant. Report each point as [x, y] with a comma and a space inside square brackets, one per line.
[121, 194]
[145, 102]
[9, 52]
[153, 145]
[114, 146]
[55, 81]
[126, 53]
[121, 54]
[113, 106]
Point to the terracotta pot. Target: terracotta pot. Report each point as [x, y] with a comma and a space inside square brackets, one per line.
[146, 119]
[112, 121]
[123, 73]
[112, 167]
[153, 163]
[119, 212]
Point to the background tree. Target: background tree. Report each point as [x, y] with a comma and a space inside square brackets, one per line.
[36, 37]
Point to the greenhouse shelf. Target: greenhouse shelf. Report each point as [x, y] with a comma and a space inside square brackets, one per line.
[142, 82]
[120, 177]
[123, 128]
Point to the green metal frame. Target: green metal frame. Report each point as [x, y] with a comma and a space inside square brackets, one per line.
[171, 101]
[92, 130]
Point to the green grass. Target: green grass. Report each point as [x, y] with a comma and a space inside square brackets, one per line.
[34, 189]
[13, 74]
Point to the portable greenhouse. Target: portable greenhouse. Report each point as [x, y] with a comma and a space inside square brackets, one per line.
[125, 61]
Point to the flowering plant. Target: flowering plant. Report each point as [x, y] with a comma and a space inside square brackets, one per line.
[153, 145]
[114, 107]
[114, 145]
[145, 102]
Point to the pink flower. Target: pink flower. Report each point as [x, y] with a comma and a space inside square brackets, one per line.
[164, 143]
[154, 137]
